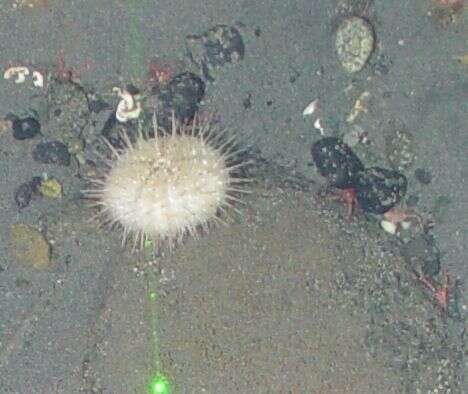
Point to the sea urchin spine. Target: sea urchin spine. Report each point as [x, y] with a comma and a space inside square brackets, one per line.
[164, 187]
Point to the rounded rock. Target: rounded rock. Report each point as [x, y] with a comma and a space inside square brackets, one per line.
[23, 195]
[51, 188]
[53, 152]
[182, 96]
[354, 43]
[379, 189]
[25, 128]
[213, 49]
[26, 191]
[336, 161]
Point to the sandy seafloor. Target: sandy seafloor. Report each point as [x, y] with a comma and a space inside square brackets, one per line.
[290, 298]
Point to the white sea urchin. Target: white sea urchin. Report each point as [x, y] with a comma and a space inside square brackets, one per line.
[162, 188]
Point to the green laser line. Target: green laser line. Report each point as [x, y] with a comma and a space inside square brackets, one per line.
[153, 318]
[158, 383]
[135, 44]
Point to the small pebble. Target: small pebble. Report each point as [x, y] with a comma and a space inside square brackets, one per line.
[25, 128]
[26, 191]
[23, 195]
[51, 188]
[75, 145]
[54, 152]
[28, 246]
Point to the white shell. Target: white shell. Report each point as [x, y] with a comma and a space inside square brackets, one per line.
[405, 225]
[389, 227]
[127, 108]
[318, 124]
[311, 108]
[38, 79]
[20, 71]
[124, 114]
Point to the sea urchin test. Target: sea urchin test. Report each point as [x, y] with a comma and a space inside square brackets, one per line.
[162, 188]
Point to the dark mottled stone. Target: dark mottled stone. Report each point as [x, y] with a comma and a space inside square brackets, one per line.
[336, 161]
[26, 191]
[182, 97]
[25, 128]
[53, 152]
[23, 195]
[213, 49]
[379, 189]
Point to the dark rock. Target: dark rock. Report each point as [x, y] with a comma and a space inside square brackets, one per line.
[379, 189]
[68, 109]
[25, 128]
[53, 152]
[182, 97]
[23, 195]
[213, 49]
[336, 161]
[26, 191]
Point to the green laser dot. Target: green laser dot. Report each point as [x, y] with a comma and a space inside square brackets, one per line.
[159, 385]
[153, 296]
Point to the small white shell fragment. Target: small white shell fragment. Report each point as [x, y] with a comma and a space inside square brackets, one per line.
[19, 71]
[389, 227]
[38, 79]
[318, 124]
[127, 108]
[311, 108]
[359, 106]
[405, 225]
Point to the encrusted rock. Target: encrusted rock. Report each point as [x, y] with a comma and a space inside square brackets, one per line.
[379, 189]
[399, 147]
[29, 246]
[217, 46]
[53, 152]
[354, 43]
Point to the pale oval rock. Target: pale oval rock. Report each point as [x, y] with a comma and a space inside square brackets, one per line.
[354, 43]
